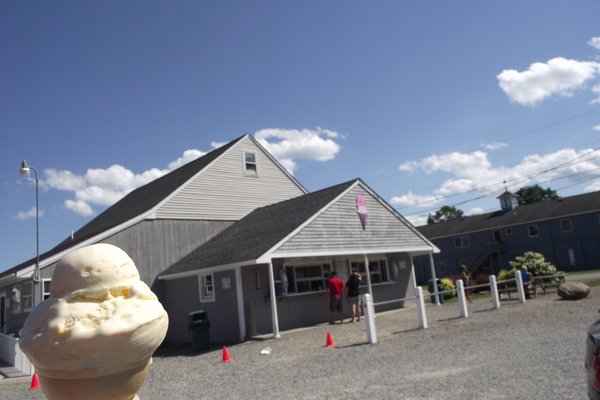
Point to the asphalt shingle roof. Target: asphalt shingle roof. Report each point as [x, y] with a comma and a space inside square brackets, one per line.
[259, 231]
[589, 202]
[133, 204]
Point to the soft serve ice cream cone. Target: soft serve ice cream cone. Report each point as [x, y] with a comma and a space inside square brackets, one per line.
[93, 338]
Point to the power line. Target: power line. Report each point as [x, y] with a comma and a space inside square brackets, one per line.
[518, 135]
[425, 212]
[517, 182]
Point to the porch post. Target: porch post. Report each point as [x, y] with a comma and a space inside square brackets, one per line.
[435, 290]
[368, 276]
[276, 334]
[412, 269]
[240, 303]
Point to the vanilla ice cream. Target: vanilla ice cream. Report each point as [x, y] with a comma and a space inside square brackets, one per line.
[99, 320]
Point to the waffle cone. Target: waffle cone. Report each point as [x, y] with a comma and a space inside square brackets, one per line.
[120, 386]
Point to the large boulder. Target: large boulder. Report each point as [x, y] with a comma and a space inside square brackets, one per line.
[573, 290]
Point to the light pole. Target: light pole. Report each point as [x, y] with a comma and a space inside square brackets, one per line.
[25, 170]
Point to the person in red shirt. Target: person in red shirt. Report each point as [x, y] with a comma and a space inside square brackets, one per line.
[334, 291]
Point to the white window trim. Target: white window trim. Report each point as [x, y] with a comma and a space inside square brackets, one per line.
[570, 225]
[42, 288]
[14, 303]
[462, 242]
[249, 172]
[314, 263]
[201, 284]
[372, 258]
[23, 296]
[529, 230]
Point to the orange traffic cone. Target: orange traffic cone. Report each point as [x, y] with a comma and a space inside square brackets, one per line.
[35, 384]
[330, 340]
[226, 357]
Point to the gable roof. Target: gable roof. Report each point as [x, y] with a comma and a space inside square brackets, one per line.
[256, 233]
[249, 240]
[138, 202]
[530, 213]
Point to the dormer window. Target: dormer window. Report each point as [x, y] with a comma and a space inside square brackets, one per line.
[250, 167]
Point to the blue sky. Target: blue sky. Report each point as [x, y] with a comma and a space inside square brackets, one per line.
[429, 102]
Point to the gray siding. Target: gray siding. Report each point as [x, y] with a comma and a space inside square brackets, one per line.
[309, 309]
[154, 245]
[183, 297]
[223, 192]
[339, 228]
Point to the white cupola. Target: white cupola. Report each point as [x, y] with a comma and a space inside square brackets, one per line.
[508, 201]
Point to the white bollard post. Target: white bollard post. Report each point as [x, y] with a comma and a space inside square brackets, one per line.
[462, 303]
[421, 309]
[494, 290]
[369, 318]
[520, 288]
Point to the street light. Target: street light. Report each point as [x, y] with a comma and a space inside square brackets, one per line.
[25, 170]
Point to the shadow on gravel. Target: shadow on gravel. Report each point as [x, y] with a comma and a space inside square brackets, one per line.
[351, 345]
[449, 319]
[406, 331]
[181, 350]
[482, 310]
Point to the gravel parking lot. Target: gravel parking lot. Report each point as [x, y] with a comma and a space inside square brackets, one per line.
[522, 351]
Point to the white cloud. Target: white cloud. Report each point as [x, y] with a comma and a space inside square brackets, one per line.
[475, 211]
[190, 155]
[462, 164]
[288, 145]
[63, 180]
[104, 186]
[23, 215]
[79, 207]
[494, 145]
[592, 187]
[411, 199]
[417, 220]
[559, 76]
[596, 128]
[473, 174]
[595, 42]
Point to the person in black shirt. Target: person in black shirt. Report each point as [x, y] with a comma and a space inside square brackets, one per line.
[353, 294]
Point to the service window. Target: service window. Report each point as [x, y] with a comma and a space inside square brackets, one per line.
[307, 278]
[378, 271]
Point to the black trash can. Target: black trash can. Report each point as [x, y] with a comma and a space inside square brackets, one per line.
[439, 289]
[199, 325]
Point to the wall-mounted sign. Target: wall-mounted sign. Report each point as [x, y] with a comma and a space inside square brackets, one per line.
[226, 283]
[361, 209]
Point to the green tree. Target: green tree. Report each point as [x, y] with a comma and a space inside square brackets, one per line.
[535, 194]
[445, 213]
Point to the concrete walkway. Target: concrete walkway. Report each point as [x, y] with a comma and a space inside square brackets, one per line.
[8, 371]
